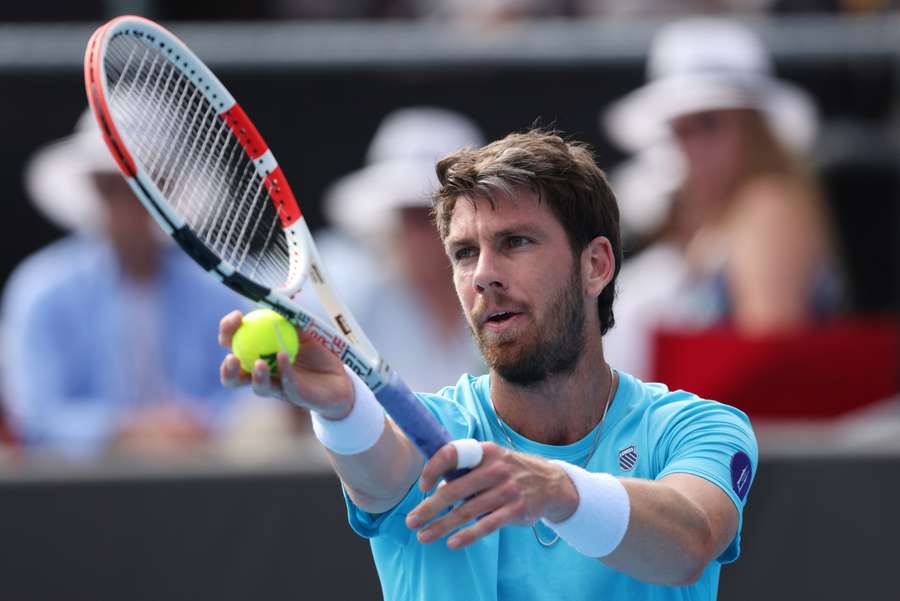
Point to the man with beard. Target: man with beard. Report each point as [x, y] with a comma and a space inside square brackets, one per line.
[585, 482]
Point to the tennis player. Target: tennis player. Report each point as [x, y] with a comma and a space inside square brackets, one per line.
[584, 482]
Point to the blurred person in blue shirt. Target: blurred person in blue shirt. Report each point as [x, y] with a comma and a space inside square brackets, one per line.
[106, 333]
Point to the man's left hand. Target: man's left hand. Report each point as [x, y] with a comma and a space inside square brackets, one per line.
[508, 487]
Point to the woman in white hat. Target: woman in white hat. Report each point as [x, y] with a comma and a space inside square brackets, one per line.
[737, 228]
[106, 332]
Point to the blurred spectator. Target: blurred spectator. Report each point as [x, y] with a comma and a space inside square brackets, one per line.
[346, 9]
[734, 221]
[833, 6]
[489, 11]
[107, 333]
[666, 8]
[385, 255]
[498, 11]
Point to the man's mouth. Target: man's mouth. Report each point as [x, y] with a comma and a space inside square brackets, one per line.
[498, 320]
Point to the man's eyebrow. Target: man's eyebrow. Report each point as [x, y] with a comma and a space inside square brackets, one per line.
[519, 229]
[516, 229]
[451, 242]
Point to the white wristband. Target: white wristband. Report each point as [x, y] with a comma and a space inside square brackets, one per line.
[601, 518]
[359, 430]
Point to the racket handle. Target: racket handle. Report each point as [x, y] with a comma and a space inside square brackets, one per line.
[414, 419]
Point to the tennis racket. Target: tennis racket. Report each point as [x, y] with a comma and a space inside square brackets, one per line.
[202, 170]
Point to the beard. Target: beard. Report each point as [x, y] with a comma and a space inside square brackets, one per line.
[550, 347]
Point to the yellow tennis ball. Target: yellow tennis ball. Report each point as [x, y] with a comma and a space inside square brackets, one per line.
[262, 334]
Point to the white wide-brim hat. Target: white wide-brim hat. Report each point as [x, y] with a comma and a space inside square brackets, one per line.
[58, 177]
[400, 170]
[364, 204]
[422, 132]
[704, 64]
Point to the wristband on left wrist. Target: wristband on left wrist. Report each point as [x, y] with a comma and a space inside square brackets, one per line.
[600, 520]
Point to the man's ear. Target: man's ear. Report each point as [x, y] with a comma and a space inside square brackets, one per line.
[598, 265]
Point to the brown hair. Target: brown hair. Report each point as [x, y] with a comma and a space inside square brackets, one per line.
[562, 174]
[766, 155]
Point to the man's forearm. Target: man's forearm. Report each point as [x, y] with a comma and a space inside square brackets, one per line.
[378, 478]
[670, 538]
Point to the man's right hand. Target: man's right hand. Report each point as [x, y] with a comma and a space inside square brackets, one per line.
[376, 479]
[316, 380]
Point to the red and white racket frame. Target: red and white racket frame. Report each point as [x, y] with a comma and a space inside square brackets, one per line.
[347, 342]
[304, 259]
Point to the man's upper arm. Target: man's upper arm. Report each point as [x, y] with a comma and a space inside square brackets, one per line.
[711, 442]
[718, 507]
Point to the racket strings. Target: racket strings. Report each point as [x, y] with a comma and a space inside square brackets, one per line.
[159, 162]
[200, 149]
[194, 159]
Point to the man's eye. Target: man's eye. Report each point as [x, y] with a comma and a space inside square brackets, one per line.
[464, 253]
[515, 241]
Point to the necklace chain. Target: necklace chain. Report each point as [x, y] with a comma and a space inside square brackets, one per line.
[599, 427]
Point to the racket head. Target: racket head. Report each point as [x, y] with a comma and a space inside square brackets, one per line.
[194, 158]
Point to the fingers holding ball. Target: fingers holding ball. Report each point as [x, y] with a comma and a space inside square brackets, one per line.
[263, 333]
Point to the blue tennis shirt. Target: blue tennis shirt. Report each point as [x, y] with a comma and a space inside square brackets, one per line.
[649, 432]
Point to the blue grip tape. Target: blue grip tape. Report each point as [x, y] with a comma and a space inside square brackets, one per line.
[414, 419]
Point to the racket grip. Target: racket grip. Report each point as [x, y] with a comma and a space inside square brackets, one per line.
[414, 419]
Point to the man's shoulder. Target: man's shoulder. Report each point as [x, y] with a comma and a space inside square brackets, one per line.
[678, 423]
[468, 390]
[655, 403]
[467, 384]
[460, 404]
[644, 396]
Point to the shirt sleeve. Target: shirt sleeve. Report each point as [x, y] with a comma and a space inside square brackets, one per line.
[712, 441]
[392, 523]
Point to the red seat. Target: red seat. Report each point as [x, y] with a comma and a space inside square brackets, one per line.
[6, 434]
[820, 371]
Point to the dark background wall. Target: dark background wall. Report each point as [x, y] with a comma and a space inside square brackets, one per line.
[822, 528]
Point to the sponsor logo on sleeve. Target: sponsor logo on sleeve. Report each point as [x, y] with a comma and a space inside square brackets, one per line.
[741, 474]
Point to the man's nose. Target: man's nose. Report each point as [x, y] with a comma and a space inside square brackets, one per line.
[488, 272]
